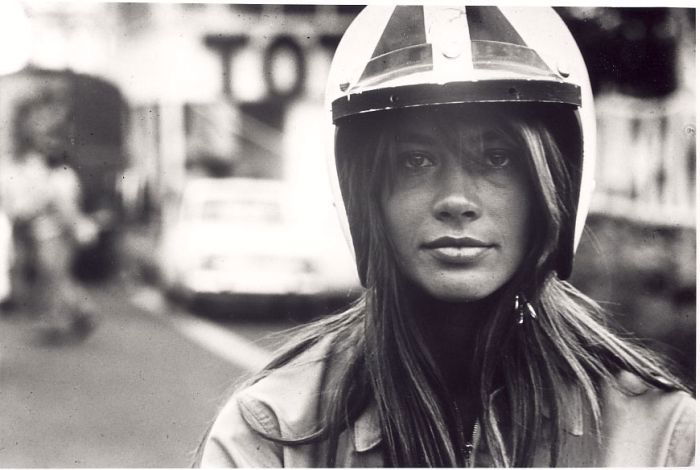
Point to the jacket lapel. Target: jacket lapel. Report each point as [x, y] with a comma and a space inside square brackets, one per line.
[367, 431]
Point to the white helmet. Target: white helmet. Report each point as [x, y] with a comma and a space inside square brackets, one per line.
[394, 57]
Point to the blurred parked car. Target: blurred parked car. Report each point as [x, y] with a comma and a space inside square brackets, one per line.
[239, 237]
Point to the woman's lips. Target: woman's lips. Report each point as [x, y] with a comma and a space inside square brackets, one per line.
[461, 250]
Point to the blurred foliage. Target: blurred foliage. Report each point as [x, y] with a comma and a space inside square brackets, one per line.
[633, 48]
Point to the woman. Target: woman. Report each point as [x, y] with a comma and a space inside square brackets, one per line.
[464, 158]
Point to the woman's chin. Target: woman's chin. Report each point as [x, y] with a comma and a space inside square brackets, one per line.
[460, 292]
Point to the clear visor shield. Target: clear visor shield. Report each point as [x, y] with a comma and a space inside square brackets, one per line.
[445, 40]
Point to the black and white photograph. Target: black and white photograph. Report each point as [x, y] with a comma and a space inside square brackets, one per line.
[342, 235]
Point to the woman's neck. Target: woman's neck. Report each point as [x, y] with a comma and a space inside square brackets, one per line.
[450, 331]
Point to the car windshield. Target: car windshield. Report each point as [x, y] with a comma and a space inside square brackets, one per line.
[248, 210]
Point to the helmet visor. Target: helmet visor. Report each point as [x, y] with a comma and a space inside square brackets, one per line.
[421, 47]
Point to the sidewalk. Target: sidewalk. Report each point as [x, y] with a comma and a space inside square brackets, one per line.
[135, 394]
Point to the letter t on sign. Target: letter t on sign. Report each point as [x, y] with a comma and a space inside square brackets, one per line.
[225, 46]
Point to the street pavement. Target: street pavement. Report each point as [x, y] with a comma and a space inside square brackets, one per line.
[137, 393]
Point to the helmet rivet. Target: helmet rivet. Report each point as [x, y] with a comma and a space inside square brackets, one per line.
[451, 50]
[563, 69]
[344, 86]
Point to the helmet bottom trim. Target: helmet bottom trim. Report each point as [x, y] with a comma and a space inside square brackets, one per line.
[493, 91]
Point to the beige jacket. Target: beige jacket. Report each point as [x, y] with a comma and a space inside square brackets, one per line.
[647, 428]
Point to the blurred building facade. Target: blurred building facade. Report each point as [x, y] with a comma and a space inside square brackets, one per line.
[211, 88]
[642, 65]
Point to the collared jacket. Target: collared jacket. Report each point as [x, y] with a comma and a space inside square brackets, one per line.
[641, 427]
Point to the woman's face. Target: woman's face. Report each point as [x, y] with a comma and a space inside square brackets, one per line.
[458, 207]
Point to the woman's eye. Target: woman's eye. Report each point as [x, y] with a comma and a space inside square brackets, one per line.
[498, 158]
[415, 160]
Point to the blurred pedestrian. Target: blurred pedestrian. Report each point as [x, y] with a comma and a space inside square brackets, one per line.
[21, 205]
[41, 195]
[5, 260]
[464, 147]
[60, 230]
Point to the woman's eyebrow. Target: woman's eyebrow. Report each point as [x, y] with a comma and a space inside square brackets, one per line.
[491, 136]
[415, 138]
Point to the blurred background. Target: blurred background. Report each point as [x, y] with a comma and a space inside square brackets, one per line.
[205, 221]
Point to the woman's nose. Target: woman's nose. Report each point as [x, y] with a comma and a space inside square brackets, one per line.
[457, 197]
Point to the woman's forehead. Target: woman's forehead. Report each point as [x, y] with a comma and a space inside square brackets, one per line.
[430, 127]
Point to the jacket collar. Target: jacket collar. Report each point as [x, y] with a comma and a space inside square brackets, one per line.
[368, 434]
